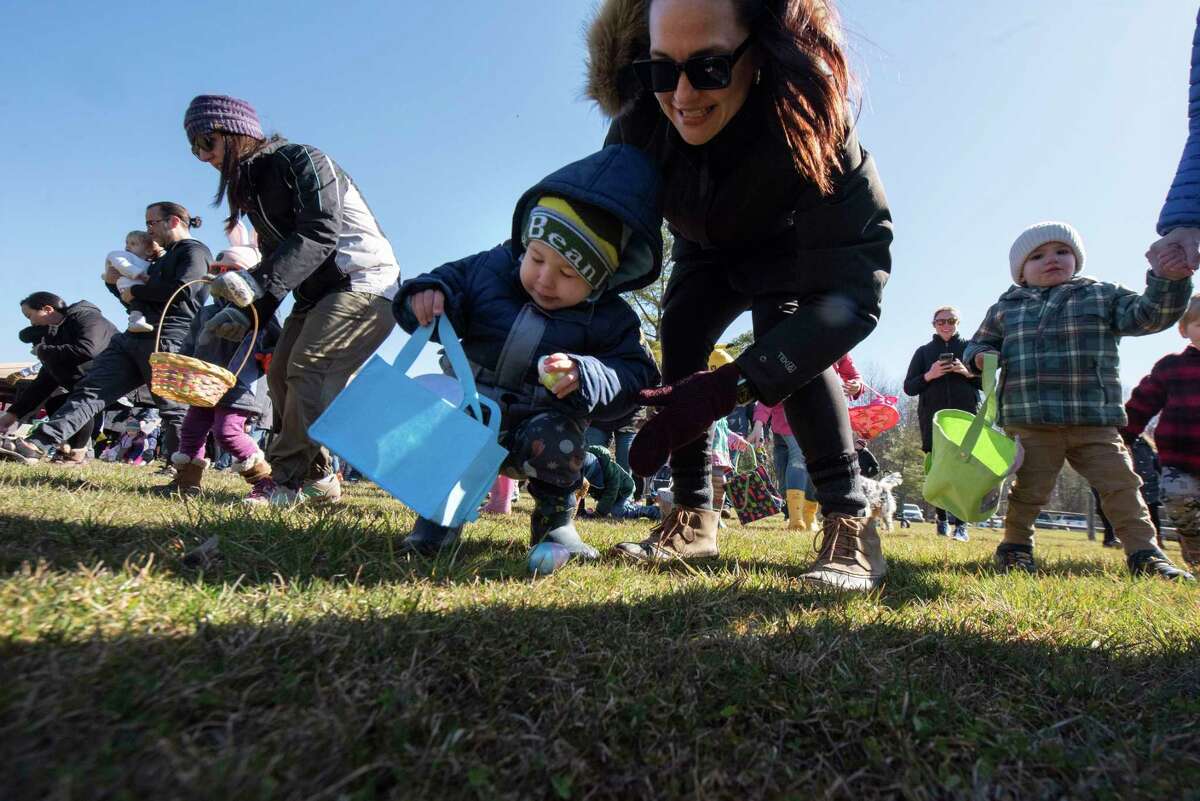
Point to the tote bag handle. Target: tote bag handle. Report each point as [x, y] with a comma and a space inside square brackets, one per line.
[987, 414]
[458, 362]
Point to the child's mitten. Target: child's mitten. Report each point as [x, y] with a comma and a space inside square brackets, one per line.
[238, 287]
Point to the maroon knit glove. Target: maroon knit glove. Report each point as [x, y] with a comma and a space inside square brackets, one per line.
[688, 407]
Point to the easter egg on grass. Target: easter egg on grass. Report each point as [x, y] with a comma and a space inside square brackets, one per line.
[546, 557]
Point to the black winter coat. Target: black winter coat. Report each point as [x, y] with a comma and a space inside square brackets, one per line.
[951, 391]
[737, 205]
[66, 353]
[315, 230]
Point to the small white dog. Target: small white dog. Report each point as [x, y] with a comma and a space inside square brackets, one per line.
[880, 497]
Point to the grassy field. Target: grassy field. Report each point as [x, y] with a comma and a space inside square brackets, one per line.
[310, 661]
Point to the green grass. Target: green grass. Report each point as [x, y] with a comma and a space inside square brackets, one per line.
[313, 662]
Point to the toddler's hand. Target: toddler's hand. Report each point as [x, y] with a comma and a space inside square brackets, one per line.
[1169, 262]
[568, 374]
[426, 305]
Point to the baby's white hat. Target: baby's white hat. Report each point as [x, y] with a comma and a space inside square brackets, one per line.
[1039, 234]
[243, 256]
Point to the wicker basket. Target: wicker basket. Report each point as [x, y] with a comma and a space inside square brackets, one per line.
[189, 380]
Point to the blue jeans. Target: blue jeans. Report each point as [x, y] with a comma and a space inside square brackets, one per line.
[595, 436]
[790, 466]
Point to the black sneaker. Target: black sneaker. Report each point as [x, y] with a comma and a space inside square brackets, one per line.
[1010, 557]
[1153, 562]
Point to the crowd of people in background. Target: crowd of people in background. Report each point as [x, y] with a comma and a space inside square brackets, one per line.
[731, 134]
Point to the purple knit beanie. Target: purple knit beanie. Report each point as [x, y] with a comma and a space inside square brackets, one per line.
[207, 113]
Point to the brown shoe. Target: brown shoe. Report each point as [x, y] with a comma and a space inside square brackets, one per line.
[683, 534]
[850, 554]
[188, 475]
[1189, 548]
[72, 457]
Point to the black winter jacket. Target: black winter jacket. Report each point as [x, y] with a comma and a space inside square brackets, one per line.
[66, 353]
[316, 233]
[951, 391]
[739, 207]
[186, 260]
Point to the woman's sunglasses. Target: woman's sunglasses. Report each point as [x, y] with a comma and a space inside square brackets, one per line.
[703, 72]
[203, 143]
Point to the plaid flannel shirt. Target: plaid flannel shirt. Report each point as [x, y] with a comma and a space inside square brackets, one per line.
[1172, 388]
[1058, 346]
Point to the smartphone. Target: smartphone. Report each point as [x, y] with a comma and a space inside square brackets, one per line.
[946, 358]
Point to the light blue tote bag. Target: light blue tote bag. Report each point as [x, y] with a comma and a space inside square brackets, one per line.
[423, 449]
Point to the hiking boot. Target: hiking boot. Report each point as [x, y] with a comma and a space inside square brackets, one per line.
[428, 538]
[1011, 556]
[186, 481]
[21, 449]
[1153, 562]
[850, 554]
[553, 520]
[70, 457]
[960, 532]
[1190, 551]
[684, 533]
[943, 529]
[1112, 542]
[261, 492]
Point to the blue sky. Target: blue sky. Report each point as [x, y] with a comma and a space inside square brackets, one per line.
[984, 117]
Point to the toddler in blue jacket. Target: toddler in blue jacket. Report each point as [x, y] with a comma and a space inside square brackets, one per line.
[547, 334]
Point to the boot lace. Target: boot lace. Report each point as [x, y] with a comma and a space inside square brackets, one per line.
[839, 540]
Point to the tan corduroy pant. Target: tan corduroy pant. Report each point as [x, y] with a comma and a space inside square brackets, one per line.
[1098, 454]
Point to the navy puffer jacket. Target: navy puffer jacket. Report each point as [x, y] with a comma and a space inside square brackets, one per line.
[1182, 209]
[603, 335]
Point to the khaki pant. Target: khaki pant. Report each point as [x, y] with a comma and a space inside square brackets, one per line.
[1098, 454]
[318, 350]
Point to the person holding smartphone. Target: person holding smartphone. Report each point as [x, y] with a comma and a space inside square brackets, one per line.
[940, 380]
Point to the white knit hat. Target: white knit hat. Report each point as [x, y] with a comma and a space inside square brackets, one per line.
[1039, 234]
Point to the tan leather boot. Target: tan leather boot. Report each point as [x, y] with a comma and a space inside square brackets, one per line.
[850, 554]
[188, 475]
[683, 534]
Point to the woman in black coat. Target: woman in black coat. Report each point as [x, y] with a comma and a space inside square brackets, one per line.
[940, 380]
[775, 209]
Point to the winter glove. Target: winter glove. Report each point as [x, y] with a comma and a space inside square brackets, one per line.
[689, 407]
[229, 323]
[238, 287]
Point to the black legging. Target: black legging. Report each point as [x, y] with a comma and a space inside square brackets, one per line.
[699, 305]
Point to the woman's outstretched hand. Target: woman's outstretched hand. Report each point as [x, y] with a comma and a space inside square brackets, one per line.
[688, 408]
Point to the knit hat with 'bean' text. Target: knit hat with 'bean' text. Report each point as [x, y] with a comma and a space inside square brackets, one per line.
[586, 236]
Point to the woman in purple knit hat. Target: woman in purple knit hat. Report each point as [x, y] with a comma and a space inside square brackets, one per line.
[321, 243]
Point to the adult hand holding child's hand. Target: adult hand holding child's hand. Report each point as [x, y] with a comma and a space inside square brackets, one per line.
[426, 305]
[1179, 248]
[1170, 260]
[564, 372]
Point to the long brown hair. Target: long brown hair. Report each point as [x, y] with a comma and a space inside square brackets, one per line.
[237, 148]
[805, 69]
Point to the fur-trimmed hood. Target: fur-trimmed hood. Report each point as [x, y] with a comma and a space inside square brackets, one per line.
[616, 36]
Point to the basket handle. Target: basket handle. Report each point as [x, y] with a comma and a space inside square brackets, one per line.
[987, 412]
[205, 280]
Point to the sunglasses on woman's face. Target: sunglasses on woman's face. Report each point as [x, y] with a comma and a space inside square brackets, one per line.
[204, 143]
[703, 72]
[946, 321]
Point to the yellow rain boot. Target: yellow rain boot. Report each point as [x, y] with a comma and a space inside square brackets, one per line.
[795, 505]
[810, 514]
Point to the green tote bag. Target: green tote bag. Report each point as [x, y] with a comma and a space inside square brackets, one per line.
[971, 457]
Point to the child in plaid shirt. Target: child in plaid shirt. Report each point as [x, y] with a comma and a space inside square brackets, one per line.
[1060, 392]
[1173, 388]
